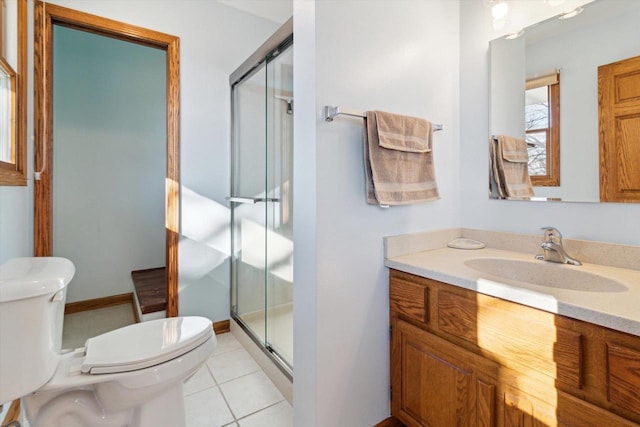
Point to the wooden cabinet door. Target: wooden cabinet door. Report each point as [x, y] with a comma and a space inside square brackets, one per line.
[619, 117]
[437, 384]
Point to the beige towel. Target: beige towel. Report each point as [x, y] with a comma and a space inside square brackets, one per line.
[404, 172]
[510, 160]
[496, 172]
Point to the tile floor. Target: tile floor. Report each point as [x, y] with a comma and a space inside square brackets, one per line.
[229, 390]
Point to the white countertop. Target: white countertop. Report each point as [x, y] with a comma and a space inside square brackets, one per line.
[619, 310]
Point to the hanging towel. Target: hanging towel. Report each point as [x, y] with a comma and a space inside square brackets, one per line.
[510, 161]
[398, 159]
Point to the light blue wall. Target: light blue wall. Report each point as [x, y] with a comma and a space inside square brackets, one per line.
[109, 160]
[16, 221]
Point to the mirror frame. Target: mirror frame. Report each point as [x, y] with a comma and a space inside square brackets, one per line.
[15, 174]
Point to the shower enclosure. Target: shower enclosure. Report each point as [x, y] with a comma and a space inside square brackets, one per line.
[261, 197]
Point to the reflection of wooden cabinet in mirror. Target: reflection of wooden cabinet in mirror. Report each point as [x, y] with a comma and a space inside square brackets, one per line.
[13, 99]
[619, 111]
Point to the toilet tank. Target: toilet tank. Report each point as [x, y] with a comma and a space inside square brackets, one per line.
[32, 297]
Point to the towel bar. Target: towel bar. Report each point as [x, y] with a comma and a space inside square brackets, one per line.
[330, 112]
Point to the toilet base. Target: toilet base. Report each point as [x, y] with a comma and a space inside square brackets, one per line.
[80, 408]
[165, 410]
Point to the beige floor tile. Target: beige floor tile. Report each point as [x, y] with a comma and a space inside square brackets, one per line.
[278, 415]
[232, 364]
[226, 342]
[250, 393]
[201, 380]
[207, 408]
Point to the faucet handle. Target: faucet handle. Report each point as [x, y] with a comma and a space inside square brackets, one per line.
[552, 235]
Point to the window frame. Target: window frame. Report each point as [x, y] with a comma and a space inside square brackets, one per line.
[552, 177]
[15, 173]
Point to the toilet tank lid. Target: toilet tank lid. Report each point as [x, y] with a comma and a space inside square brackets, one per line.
[145, 344]
[28, 277]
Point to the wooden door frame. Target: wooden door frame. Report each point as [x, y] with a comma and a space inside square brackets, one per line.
[45, 16]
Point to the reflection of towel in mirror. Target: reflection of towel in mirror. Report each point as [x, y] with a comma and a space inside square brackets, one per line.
[509, 161]
[398, 159]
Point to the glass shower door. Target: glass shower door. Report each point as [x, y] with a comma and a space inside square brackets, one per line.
[248, 211]
[279, 277]
[261, 214]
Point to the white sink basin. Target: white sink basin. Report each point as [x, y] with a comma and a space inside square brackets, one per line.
[543, 273]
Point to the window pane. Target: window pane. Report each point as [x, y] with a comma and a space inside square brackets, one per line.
[5, 117]
[537, 150]
[537, 108]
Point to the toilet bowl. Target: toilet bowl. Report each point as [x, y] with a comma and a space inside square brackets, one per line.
[129, 377]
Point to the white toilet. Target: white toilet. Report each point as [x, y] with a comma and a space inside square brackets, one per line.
[130, 377]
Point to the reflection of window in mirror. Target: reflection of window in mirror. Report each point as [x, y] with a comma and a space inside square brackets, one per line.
[542, 129]
[7, 114]
[13, 45]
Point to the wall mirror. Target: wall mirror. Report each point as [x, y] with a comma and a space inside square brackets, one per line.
[13, 45]
[554, 64]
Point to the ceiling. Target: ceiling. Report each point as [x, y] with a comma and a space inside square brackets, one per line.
[273, 10]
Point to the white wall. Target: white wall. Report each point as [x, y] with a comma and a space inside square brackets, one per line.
[612, 222]
[109, 160]
[399, 56]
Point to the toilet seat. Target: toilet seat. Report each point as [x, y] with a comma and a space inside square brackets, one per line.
[145, 344]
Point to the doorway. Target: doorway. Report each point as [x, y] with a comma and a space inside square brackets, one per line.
[47, 19]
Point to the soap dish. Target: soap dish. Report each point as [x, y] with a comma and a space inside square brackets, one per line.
[465, 244]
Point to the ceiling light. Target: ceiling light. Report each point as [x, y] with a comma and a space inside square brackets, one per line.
[499, 10]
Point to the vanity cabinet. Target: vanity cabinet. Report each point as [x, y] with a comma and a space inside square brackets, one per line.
[461, 358]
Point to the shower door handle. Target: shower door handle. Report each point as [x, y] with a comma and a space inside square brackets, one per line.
[252, 200]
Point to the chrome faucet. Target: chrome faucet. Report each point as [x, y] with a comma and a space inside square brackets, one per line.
[553, 250]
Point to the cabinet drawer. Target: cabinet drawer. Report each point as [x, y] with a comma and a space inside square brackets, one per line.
[522, 410]
[524, 341]
[410, 299]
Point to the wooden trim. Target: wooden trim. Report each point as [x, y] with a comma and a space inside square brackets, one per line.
[42, 188]
[13, 414]
[549, 79]
[50, 14]
[103, 302]
[173, 174]
[390, 422]
[222, 326]
[136, 318]
[16, 174]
